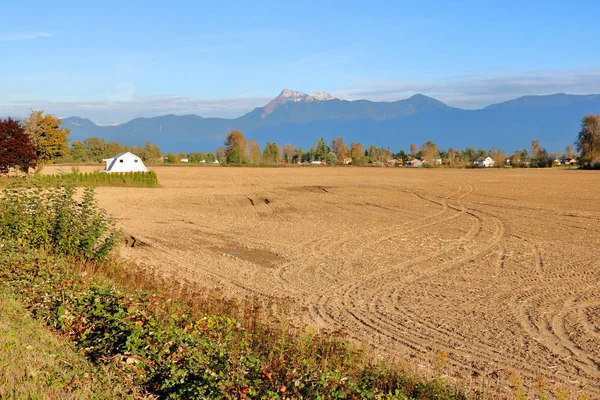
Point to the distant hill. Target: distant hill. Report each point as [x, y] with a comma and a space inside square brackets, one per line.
[300, 119]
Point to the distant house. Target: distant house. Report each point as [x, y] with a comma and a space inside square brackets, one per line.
[185, 160]
[414, 163]
[315, 162]
[568, 160]
[483, 162]
[347, 161]
[124, 162]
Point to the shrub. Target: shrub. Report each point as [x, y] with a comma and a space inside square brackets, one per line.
[52, 220]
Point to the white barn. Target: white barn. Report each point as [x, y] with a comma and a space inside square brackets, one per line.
[124, 162]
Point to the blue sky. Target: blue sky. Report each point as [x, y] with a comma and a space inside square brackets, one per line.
[112, 61]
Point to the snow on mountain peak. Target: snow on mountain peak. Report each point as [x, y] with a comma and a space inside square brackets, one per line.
[292, 95]
[287, 95]
[321, 96]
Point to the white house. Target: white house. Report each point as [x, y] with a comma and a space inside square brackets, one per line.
[483, 162]
[414, 163]
[124, 162]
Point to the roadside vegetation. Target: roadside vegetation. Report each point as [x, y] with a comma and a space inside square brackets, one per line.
[58, 258]
[38, 364]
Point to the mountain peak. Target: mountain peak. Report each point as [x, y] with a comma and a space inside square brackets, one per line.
[291, 94]
[322, 96]
[288, 95]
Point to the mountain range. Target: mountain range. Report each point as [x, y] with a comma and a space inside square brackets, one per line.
[300, 119]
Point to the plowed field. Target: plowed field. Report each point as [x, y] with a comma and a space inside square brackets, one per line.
[497, 269]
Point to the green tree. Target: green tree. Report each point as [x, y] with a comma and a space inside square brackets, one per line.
[322, 150]
[153, 151]
[588, 140]
[210, 157]
[95, 148]
[112, 149]
[299, 155]
[372, 153]
[170, 158]
[271, 153]
[49, 138]
[401, 155]
[289, 152]
[197, 157]
[235, 147]
[78, 153]
[539, 155]
[357, 153]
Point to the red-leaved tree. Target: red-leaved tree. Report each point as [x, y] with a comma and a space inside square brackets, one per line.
[16, 149]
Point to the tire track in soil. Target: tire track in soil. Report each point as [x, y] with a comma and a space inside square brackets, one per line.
[378, 297]
[380, 322]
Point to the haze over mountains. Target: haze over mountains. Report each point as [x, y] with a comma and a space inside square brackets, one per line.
[300, 119]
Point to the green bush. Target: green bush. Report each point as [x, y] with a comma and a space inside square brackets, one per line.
[52, 220]
[126, 179]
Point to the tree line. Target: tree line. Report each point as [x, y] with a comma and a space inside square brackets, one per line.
[96, 149]
[238, 150]
[40, 139]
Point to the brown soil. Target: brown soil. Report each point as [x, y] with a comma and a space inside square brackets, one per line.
[498, 269]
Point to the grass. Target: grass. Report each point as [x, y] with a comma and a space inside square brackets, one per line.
[38, 364]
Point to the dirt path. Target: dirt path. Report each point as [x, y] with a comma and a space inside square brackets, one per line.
[499, 270]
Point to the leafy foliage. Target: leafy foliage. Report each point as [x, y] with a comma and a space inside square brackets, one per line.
[235, 147]
[173, 348]
[76, 178]
[588, 139]
[16, 149]
[52, 220]
[49, 138]
[271, 153]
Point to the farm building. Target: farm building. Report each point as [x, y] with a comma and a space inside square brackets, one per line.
[483, 162]
[124, 162]
[414, 163]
